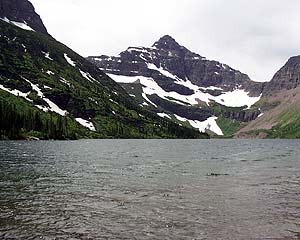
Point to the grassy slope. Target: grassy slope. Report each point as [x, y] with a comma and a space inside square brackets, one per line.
[281, 117]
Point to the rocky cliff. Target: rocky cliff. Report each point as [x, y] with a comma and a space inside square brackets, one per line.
[288, 77]
[22, 11]
[280, 106]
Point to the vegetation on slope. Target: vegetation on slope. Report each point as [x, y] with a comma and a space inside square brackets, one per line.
[81, 89]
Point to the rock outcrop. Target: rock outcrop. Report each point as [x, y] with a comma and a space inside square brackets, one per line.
[22, 11]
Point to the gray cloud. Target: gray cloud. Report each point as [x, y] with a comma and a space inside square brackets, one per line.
[256, 37]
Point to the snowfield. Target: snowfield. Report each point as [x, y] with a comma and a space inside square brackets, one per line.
[209, 124]
[236, 98]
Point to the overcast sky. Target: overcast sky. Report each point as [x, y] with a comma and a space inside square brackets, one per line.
[254, 36]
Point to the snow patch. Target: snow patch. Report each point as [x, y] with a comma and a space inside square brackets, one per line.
[213, 88]
[144, 104]
[136, 49]
[162, 71]
[52, 106]
[87, 76]
[64, 81]
[164, 115]
[181, 119]
[148, 100]
[209, 124]
[86, 124]
[16, 92]
[22, 25]
[236, 98]
[47, 55]
[111, 100]
[47, 87]
[50, 72]
[260, 115]
[69, 60]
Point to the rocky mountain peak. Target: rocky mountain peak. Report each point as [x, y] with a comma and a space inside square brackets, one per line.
[294, 61]
[288, 77]
[22, 11]
[167, 43]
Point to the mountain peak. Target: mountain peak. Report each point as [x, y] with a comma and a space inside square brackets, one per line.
[167, 43]
[22, 11]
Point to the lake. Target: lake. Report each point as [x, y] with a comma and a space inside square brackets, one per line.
[150, 189]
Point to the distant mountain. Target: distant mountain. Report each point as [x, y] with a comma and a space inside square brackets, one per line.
[178, 84]
[49, 91]
[280, 106]
[21, 13]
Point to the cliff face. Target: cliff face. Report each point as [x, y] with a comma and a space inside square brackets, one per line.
[280, 106]
[22, 11]
[179, 61]
[287, 78]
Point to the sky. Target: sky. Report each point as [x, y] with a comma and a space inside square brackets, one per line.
[254, 36]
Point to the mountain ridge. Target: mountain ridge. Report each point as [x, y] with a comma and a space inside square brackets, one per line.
[181, 84]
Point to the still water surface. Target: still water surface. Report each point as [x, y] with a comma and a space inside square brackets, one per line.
[150, 189]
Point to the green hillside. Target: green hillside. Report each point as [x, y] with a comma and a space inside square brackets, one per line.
[46, 90]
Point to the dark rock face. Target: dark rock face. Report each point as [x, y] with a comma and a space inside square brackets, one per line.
[166, 53]
[22, 11]
[288, 77]
[242, 116]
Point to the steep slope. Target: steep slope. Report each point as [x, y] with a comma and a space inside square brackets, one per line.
[178, 84]
[49, 91]
[280, 106]
[21, 13]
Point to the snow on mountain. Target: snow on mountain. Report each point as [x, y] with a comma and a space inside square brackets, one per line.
[16, 92]
[69, 60]
[86, 124]
[52, 107]
[209, 124]
[236, 98]
[173, 79]
[22, 25]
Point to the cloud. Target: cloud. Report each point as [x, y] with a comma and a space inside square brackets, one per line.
[256, 37]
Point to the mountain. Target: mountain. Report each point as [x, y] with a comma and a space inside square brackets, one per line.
[185, 87]
[280, 106]
[21, 13]
[49, 91]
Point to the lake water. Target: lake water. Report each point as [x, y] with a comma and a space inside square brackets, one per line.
[150, 189]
